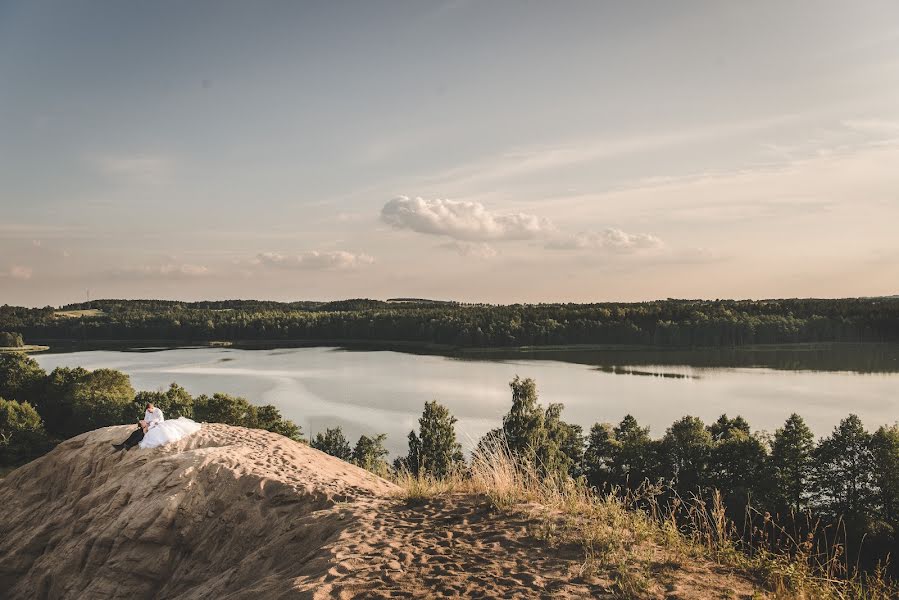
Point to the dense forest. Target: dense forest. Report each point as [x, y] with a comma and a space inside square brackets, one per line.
[844, 487]
[664, 323]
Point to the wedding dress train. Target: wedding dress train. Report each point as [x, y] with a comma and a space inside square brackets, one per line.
[169, 431]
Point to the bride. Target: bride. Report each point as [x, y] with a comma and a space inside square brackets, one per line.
[160, 432]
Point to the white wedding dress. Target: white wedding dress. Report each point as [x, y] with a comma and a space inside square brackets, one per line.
[163, 432]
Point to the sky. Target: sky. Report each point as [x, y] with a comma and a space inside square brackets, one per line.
[501, 151]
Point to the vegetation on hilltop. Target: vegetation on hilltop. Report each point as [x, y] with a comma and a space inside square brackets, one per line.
[664, 323]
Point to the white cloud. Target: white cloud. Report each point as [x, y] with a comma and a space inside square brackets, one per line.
[165, 271]
[876, 126]
[140, 169]
[315, 259]
[607, 240]
[461, 220]
[472, 249]
[17, 272]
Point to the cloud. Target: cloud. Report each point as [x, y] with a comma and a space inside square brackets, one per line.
[140, 169]
[876, 126]
[461, 220]
[607, 240]
[315, 260]
[166, 271]
[472, 249]
[19, 272]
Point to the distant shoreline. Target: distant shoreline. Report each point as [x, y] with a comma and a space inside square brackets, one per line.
[26, 348]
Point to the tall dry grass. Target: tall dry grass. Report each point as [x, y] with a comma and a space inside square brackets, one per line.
[619, 528]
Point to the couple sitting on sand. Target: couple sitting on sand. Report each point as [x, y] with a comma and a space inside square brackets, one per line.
[153, 430]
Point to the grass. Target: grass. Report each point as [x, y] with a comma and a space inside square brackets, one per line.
[78, 314]
[625, 533]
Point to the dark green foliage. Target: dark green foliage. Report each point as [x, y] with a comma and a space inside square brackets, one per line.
[20, 376]
[637, 458]
[370, 453]
[268, 417]
[22, 435]
[538, 436]
[223, 408]
[601, 459]
[844, 471]
[333, 442]
[11, 340]
[175, 402]
[234, 410]
[434, 450]
[791, 464]
[523, 424]
[737, 468]
[685, 323]
[572, 446]
[885, 451]
[686, 449]
[77, 400]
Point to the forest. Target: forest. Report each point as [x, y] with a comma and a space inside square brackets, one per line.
[663, 323]
[843, 487]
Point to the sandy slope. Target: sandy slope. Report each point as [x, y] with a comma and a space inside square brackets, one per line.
[238, 513]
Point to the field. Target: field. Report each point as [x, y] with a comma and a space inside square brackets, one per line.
[78, 314]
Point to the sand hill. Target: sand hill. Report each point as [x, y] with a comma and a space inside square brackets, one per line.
[238, 513]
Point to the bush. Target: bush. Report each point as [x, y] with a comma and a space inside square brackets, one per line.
[434, 451]
[20, 376]
[11, 340]
[333, 442]
[22, 435]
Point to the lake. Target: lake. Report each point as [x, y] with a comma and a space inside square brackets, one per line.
[384, 391]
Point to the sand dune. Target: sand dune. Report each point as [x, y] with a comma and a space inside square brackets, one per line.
[238, 513]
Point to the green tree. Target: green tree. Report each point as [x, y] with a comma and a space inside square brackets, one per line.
[22, 434]
[224, 408]
[572, 446]
[791, 464]
[333, 442]
[556, 436]
[636, 459]
[885, 449]
[20, 376]
[175, 402]
[370, 453]
[268, 417]
[11, 340]
[737, 468]
[434, 450]
[724, 426]
[686, 446]
[77, 400]
[844, 471]
[523, 425]
[601, 455]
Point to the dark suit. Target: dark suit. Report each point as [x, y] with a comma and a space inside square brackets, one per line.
[134, 439]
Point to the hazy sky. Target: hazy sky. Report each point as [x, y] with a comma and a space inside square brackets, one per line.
[494, 151]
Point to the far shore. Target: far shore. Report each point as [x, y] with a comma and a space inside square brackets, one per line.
[26, 348]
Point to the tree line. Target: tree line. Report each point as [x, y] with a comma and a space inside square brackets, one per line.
[664, 323]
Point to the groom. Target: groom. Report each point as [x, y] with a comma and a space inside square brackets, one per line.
[152, 416]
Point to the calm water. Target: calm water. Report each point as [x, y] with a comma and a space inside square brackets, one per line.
[383, 392]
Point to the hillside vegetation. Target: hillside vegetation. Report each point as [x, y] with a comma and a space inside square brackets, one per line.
[666, 323]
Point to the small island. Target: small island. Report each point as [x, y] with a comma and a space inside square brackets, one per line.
[14, 342]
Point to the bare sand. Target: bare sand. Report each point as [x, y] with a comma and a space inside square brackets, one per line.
[237, 513]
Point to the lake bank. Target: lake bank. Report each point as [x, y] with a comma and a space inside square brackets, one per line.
[384, 391]
[836, 356]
